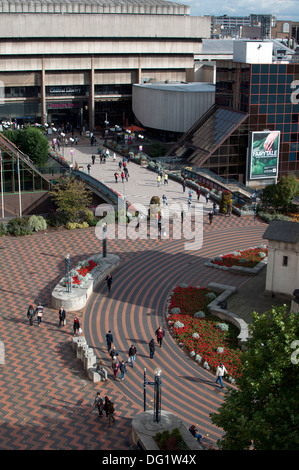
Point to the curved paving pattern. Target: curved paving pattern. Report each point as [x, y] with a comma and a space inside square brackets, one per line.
[45, 395]
[136, 305]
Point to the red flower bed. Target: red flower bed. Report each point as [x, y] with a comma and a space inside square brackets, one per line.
[83, 271]
[191, 300]
[246, 258]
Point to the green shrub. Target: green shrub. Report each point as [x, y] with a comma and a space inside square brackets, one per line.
[89, 218]
[170, 441]
[3, 230]
[37, 223]
[19, 226]
[74, 225]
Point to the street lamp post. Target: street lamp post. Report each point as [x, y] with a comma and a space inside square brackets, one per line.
[104, 240]
[157, 388]
[157, 396]
[67, 267]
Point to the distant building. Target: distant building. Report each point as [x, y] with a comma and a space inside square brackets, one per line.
[76, 61]
[254, 94]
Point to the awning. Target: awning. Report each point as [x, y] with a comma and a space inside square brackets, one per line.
[134, 129]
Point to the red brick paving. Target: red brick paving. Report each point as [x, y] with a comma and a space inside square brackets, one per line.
[45, 394]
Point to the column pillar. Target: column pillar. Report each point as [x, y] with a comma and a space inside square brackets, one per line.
[91, 96]
[43, 95]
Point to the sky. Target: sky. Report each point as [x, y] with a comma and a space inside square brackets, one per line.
[282, 9]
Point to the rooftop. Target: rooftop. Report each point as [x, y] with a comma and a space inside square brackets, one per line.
[94, 6]
[282, 231]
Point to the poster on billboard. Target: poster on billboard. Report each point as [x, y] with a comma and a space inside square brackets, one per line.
[264, 154]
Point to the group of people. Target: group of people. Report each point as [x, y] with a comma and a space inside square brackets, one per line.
[38, 311]
[104, 405]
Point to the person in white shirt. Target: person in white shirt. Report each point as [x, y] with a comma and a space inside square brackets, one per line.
[220, 371]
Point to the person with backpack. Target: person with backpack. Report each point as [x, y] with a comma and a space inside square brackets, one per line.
[160, 333]
[30, 314]
[123, 369]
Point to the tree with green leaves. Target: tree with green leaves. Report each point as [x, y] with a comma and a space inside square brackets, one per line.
[32, 142]
[265, 406]
[70, 197]
[279, 196]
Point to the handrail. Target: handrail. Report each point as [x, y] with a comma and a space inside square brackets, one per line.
[110, 193]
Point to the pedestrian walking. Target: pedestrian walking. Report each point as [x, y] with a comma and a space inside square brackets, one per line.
[123, 369]
[126, 173]
[89, 168]
[214, 208]
[160, 333]
[61, 316]
[184, 186]
[99, 403]
[164, 200]
[120, 164]
[113, 353]
[122, 175]
[115, 367]
[151, 345]
[111, 412]
[189, 204]
[76, 327]
[105, 407]
[220, 371]
[30, 314]
[198, 192]
[114, 156]
[93, 158]
[102, 371]
[116, 176]
[166, 178]
[109, 339]
[109, 281]
[158, 180]
[132, 355]
[211, 214]
[39, 313]
[207, 198]
[229, 210]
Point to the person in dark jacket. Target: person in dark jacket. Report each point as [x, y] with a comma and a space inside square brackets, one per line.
[151, 345]
[123, 369]
[76, 326]
[109, 281]
[109, 339]
[30, 314]
[61, 315]
[132, 354]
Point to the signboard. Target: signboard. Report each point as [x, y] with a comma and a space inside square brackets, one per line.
[264, 155]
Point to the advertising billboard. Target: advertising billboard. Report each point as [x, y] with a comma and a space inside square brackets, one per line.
[264, 154]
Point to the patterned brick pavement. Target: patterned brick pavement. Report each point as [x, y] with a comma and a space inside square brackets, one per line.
[45, 395]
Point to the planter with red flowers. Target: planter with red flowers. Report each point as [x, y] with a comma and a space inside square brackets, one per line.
[249, 261]
[201, 335]
[85, 277]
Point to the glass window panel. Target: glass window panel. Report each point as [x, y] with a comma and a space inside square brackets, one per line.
[292, 157]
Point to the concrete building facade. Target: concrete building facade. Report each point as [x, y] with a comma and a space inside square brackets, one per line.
[74, 62]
